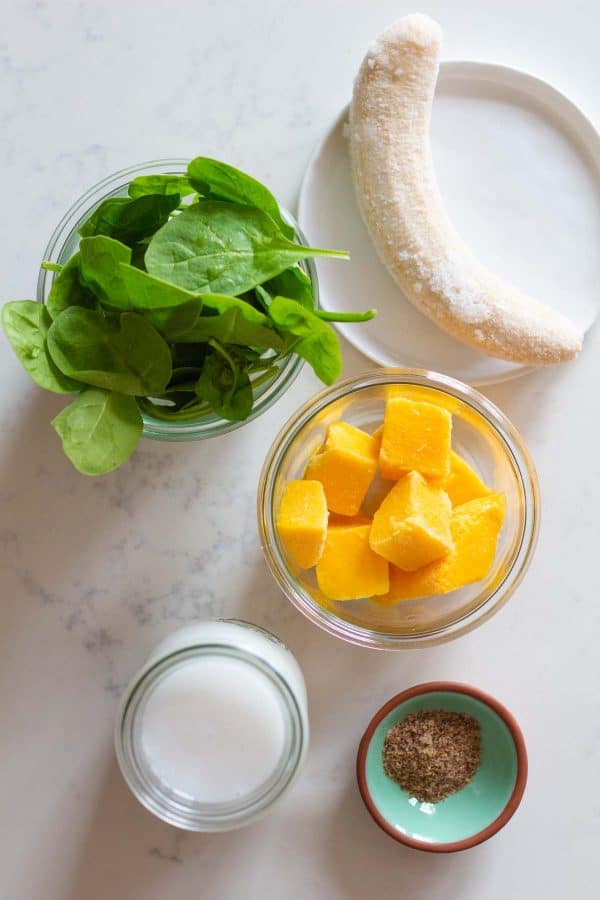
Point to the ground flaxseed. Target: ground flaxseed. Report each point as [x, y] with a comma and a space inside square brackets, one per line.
[433, 753]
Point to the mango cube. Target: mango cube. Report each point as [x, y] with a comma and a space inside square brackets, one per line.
[348, 568]
[345, 467]
[336, 519]
[378, 434]
[462, 484]
[475, 528]
[416, 436]
[302, 521]
[411, 528]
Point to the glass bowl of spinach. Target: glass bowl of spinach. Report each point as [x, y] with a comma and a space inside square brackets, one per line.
[177, 300]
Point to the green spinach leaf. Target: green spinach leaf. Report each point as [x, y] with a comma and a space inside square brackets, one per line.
[127, 356]
[105, 266]
[160, 184]
[144, 291]
[233, 321]
[68, 290]
[219, 181]
[309, 337]
[222, 248]
[100, 258]
[138, 251]
[99, 430]
[129, 220]
[26, 324]
[184, 374]
[262, 299]
[225, 386]
[293, 283]
[175, 323]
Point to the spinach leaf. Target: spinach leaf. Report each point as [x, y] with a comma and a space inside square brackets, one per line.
[171, 310]
[179, 396]
[128, 220]
[138, 251]
[105, 266]
[160, 184]
[309, 337]
[293, 283]
[184, 374]
[262, 298]
[223, 248]
[68, 290]
[144, 291]
[100, 258]
[127, 356]
[233, 321]
[26, 325]
[225, 386]
[175, 323]
[99, 430]
[219, 181]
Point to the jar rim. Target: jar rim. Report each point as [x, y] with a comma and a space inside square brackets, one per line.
[491, 602]
[195, 816]
[156, 429]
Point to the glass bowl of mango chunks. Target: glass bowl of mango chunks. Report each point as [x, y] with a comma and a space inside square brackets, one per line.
[398, 509]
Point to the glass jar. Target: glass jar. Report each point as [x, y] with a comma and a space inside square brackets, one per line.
[63, 244]
[213, 729]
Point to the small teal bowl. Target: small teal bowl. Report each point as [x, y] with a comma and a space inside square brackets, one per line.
[473, 814]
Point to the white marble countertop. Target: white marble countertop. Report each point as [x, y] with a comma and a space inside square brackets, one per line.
[94, 572]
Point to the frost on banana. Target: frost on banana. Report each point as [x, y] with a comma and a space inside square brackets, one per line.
[402, 208]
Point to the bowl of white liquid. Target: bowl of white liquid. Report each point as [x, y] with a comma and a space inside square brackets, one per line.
[213, 729]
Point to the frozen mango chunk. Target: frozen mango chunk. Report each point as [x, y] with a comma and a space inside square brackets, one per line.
[416, 436]
[463, 483]
[348, 568]
[345, 467]
[475, 528]
[343, 436]
[336, 519]
[302, 521]
[411, 528]
[424, 394]
[378, 434]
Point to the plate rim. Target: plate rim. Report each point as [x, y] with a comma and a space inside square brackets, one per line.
[551, 98]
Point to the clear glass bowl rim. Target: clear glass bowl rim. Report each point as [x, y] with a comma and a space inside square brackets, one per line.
[209, 426]
[229, 816]
[516, 450]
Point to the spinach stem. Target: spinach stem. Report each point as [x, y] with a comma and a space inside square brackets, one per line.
[169, 414]
[346, 317]
[194, 408]
[264, 377]
[262, 364]
[51, 267]
[318, 251]
[218, 346]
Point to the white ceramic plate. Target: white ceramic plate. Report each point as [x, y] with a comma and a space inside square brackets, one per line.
[519, 169]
